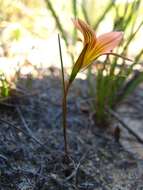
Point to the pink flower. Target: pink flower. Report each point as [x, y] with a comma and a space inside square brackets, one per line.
[93, 46]
[96, 46]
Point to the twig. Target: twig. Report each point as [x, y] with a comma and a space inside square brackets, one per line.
[29, 132]
[75, 172]
[8, 105]
[11, 125]
[58, 181]
[17, 93]
[23, 131]
[3, 157]
[117, 117]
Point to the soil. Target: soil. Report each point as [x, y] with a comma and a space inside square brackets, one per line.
[32, 148]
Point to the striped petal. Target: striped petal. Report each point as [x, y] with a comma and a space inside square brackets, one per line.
[86, 30]
[107, 42]
[104, 45]
[95, 47]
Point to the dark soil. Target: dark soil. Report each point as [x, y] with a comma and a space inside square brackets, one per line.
[32, 148]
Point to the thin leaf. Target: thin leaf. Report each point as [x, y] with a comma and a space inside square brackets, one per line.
[62, 66]
[107, 9]
[59, 25]
[75, 13]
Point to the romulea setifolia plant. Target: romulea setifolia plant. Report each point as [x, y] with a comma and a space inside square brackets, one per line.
[93, 47]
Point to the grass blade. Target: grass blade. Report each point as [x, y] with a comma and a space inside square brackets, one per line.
[59, 25]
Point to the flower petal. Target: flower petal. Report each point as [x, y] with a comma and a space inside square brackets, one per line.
[104, 45]
[86, 30]
[78, 65]
[107, 42]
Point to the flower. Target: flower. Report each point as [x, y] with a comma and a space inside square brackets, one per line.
[93, 46]
[97, 46]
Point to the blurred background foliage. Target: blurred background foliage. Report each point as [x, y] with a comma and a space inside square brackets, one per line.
[28, 40]
[20, 18]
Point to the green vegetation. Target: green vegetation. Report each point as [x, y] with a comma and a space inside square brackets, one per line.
[117, 78]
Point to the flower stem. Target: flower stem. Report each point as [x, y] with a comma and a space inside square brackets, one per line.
[67, 85]
[65, 124]
[64, 102]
